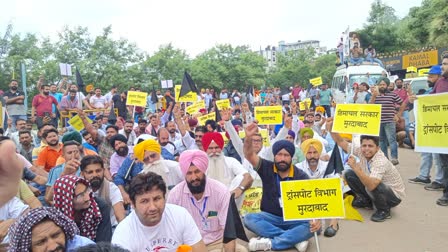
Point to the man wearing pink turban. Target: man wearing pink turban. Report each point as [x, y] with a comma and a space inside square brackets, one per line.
[206, 199]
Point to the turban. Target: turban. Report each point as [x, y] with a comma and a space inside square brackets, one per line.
[192, 122]
[311, 143]
[72, 136]
[64, 194]
[385, 79]
[147, 145]
[212, 136]
[20, 231]
[306, 130]
[117, 137]
[197, 158]
[320, 109]
[291, 133]
[283, 144]
[237, 122]
[346, 136]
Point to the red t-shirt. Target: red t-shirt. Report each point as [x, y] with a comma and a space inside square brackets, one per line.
[44, 104]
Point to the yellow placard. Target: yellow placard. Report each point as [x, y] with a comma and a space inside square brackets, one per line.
[265, 135]
[252, 200]
[431, 129]
[361, 119]
[411, 69]
[189, 97]
[223, 104]
[204, 118]
[421, 59]
[135, 98]
[195, 107]
[312, 199]
[226, 140]
[316, 81]
[242, 134]
[269, 115]
[423, 72]
[302, 104]
[77, 123]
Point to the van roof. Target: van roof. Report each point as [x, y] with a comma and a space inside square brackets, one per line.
[362, 69]
[416, 78]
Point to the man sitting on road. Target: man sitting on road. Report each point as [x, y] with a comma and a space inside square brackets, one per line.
[374, 180]
[276, 233]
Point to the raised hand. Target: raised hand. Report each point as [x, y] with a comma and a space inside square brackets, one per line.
[251, 130]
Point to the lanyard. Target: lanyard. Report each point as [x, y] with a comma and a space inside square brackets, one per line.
[278, 184]
[368, 166]
[201, 212]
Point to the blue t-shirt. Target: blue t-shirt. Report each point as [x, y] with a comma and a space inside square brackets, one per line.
[56, 172]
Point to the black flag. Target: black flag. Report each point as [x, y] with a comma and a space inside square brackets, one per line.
[335, 164]
[234, 227]
[187, 85]
[217, 114]
[112, 118]
[154, 98]
[79, 80]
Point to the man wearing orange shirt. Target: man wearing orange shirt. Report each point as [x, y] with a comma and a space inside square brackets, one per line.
[48, 156]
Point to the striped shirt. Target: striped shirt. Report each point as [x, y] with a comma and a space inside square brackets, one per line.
[388, 102]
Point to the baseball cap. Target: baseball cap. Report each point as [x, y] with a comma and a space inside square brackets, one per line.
[435, 70]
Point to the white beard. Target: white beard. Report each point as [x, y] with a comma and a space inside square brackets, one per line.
[218, 170]
[157, 167]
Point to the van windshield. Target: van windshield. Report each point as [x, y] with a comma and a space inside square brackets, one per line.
[359, 78]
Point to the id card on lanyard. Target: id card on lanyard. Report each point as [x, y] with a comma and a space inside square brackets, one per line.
[204, 222]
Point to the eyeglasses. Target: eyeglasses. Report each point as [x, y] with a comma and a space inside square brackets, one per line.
[88, 190]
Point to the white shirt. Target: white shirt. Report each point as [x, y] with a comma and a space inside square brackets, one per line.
[318, 173]
[172, 176]
[176, 227]
[115, 197]
[231, 174]
[98, 102]
[131, 139]
[12, 209]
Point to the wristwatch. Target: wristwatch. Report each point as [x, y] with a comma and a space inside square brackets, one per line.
[242, 188]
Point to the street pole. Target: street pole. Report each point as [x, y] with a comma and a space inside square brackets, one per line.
[23, 69]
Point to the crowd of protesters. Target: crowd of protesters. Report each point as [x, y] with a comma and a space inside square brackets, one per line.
[152, 179]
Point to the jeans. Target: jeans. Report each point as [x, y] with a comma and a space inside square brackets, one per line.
[444, 167]
[40, 121]
[406, 119]
[341, 57]
[426, 164]
[327, 110]
[371, 60]
[283, 234]
[14, 119]
[388, 135]
[355, 61]
[382, 196]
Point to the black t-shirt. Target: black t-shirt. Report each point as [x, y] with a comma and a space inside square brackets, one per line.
[271, 189]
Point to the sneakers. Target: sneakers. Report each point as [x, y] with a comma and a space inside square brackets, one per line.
[394, 161]
[360, 202]
[418, 180]
[434, 186]
[256, 244]
[380, 215]
[442, 201]
[302, 246]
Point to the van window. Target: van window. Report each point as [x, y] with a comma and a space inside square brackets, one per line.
[363, 78]
[419, 84]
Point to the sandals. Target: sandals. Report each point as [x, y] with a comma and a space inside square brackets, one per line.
[330, 231]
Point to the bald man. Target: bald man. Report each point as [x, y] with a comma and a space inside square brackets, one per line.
[206, 199]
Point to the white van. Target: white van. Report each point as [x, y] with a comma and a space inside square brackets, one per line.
[417, 83]
[345, 77]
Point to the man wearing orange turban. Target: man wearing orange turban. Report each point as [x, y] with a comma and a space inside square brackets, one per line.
[226, 170]
[149, 152]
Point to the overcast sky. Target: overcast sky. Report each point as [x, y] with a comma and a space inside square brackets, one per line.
[197, 25]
